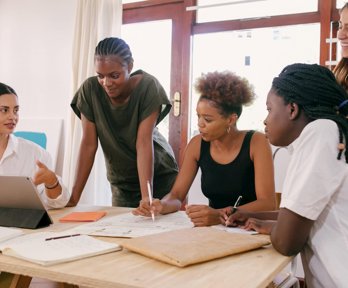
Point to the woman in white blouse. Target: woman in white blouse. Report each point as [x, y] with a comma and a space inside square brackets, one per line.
[20, 157]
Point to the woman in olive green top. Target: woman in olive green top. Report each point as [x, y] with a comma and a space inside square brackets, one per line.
[122, 109]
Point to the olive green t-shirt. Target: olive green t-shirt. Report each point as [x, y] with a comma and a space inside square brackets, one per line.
[117, 132]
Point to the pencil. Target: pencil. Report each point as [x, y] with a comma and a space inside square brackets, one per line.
[150, 199]
[61, 237]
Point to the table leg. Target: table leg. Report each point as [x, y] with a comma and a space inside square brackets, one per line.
[9, 280]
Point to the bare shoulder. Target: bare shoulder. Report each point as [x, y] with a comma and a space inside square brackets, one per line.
[259, 137]
[194, 146]
[259, 142]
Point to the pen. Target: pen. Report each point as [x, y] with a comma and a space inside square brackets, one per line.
[234, 208]
[237, 202]
[150, 199]
[61, 237]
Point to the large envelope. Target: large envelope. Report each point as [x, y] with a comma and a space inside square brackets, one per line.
[184, 247]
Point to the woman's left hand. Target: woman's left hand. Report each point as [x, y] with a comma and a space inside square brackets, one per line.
[261, 226]
[203, 215]
[44, 175]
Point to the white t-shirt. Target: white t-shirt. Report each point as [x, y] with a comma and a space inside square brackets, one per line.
[19, 159]
[316, 187]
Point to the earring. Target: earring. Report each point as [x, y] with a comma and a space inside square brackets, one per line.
[228, 129]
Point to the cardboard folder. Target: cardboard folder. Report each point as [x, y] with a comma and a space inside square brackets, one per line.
[189, 246]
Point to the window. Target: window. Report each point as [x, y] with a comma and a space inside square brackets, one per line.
[213, 10]
[268, 49]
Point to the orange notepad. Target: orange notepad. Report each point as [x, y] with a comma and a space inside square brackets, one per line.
[83, 216]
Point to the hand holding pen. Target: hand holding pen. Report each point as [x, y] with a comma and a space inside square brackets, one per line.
[233, 209]
[149, 191]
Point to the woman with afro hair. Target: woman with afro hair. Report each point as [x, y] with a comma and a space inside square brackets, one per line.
[233, 162]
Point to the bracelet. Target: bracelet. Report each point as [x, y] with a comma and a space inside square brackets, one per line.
[53, 185]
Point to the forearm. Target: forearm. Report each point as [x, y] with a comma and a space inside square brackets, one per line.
[291, 232]
[262, 215]
[53, 191]
[145, 167]
[52, 186]
[259, 205]
[170, 205]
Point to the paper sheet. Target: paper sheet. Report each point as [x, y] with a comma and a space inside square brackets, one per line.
[234, 230]
[9, 232]
[129, 225]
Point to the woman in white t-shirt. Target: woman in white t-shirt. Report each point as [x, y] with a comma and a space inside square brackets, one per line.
[307, 112]
[20, 157]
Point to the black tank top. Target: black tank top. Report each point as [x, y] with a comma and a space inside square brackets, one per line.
[222, 184]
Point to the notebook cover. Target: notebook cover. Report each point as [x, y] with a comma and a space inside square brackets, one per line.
[83, 216]
[189, 246]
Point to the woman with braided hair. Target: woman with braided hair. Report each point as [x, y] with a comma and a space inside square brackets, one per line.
[121, 109]
[341, 69]
[307, 112]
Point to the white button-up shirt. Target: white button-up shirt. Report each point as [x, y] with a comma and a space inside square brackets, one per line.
[19, 159]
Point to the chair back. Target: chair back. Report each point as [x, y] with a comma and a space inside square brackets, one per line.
[36, 137]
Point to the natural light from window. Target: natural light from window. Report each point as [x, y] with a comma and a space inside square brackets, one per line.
[258, 55]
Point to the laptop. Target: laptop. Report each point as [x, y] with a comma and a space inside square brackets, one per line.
[20, 204]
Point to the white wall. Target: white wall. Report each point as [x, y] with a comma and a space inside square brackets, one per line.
[36, 38]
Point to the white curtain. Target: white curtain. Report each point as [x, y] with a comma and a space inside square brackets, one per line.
[95, 20]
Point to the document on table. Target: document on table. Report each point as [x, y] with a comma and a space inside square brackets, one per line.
[234, 230]
[129, 226]
[9, 232]
[48, 248]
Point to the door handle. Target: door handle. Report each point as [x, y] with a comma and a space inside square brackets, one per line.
[177, 104]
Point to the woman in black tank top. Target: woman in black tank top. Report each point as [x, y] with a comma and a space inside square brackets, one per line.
[233, 162]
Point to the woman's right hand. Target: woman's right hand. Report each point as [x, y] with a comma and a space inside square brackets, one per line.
[145, 208]
[238, 218]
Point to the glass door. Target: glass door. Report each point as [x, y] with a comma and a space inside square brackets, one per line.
[157, 53]
[158, 33]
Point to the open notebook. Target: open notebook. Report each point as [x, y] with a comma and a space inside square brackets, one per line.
[48, 248]
[20, 204]
[188, 246]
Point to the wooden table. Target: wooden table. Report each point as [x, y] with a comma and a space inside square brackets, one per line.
[126, 269]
